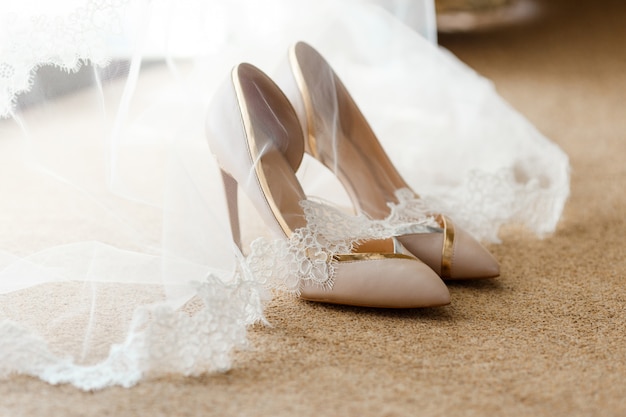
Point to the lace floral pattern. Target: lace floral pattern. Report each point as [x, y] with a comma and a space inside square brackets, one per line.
[160, 341]
[487, 201]
[307, 256]
[413, 211]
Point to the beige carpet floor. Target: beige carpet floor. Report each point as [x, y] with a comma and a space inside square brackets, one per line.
[546, 338]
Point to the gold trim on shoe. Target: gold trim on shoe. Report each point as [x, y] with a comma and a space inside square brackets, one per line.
[254, 151]
[346, 257]
[448, 247]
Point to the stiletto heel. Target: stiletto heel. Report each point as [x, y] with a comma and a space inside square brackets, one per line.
[340, 138]
[230, 190]
[257, 139]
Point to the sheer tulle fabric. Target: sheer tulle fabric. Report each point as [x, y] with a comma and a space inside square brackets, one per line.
[116, 262]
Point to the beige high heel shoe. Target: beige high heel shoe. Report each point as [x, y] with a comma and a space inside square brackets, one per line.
[257, 139]
[339, 136]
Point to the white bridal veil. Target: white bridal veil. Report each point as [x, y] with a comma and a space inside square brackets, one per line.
[116, 261]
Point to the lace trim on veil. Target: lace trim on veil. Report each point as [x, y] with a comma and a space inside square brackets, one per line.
[160, 340]
[64, 40]
[191, 341]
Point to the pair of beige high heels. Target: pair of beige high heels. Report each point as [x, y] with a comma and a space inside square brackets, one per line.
[257, 134]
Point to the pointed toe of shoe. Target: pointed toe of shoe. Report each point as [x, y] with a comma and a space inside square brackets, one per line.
[420, 286]
[386, 283]
[428, 289]
[469, 259]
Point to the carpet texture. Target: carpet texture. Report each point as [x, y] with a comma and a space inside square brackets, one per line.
[548, 338]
